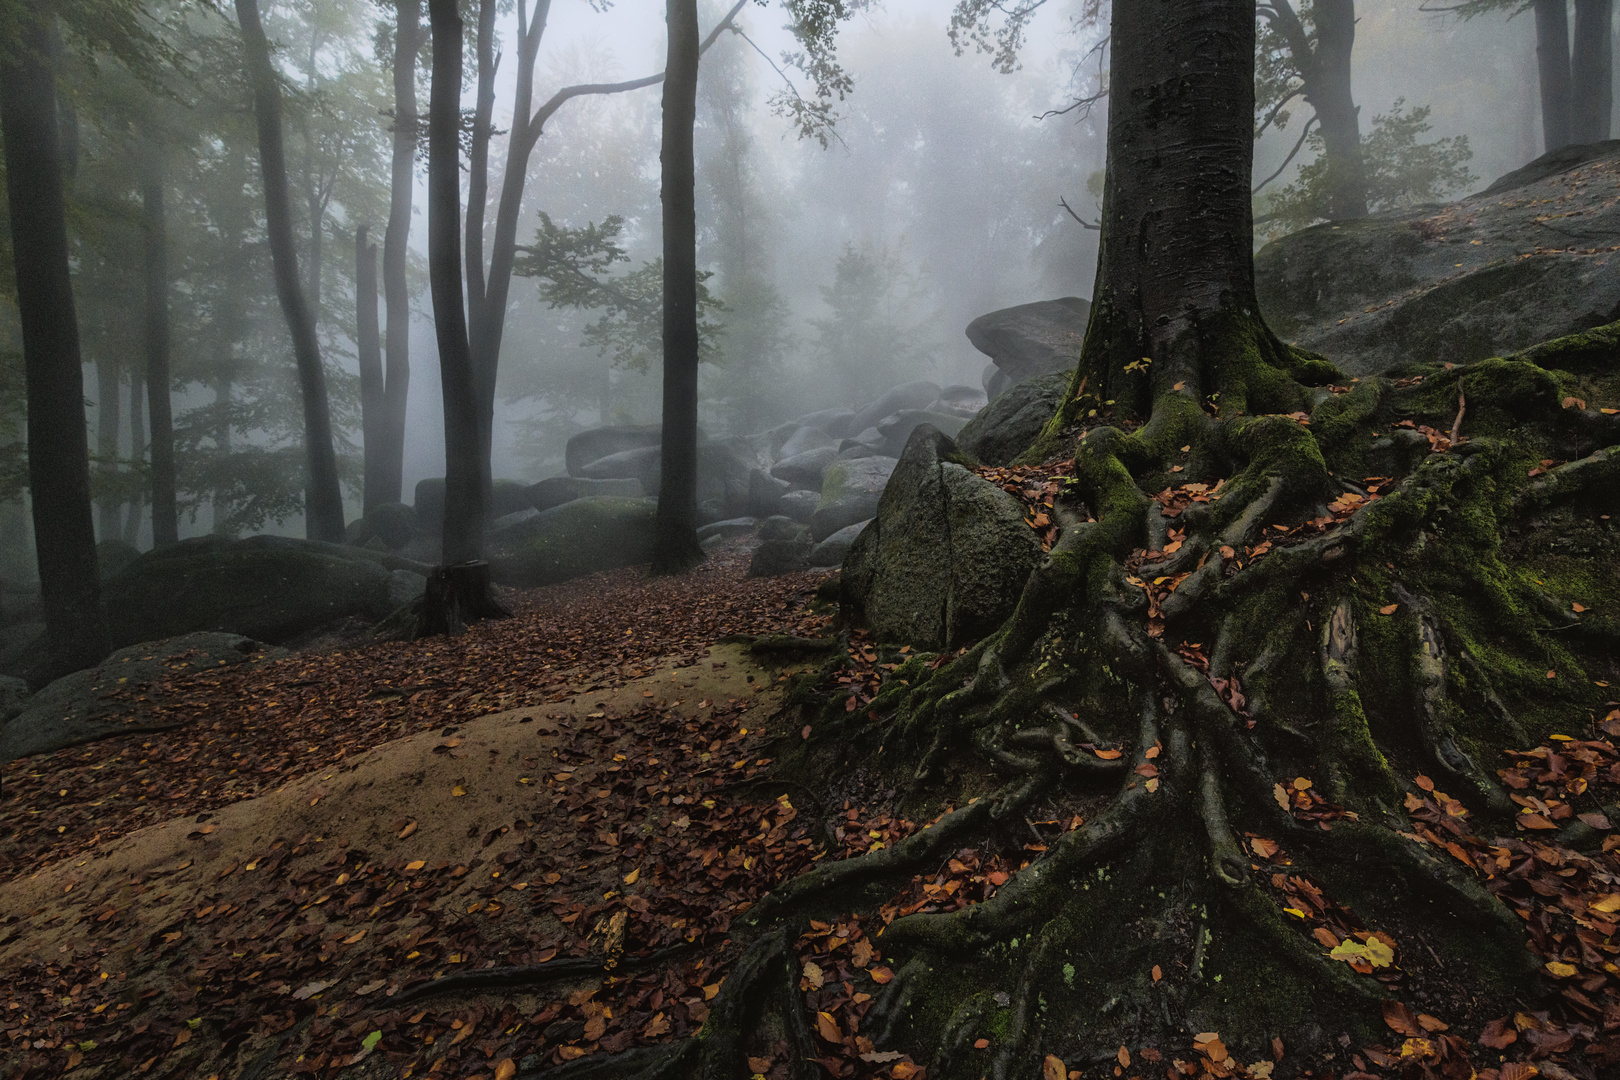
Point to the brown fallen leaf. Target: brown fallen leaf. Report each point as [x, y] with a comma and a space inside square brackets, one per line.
[827, 1027]
[506, 1069]
[1389, 609]
[1124, 1057]
[1053, 1068]
[881, 975]
[1401, 1019]
[408, 831]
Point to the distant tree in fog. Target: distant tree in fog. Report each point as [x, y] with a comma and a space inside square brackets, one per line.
[874, 332]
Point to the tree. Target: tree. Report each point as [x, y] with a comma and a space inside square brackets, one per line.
[1576, 86]
[368, 343]
[1306, 53]
[873, 333]
[323, 498]
[390, 449]
[675, 546]
[165, 513]
[58, 454]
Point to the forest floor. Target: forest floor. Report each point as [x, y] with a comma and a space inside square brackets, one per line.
[583, 791]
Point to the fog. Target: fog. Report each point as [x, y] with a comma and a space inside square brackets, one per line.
[937, 197]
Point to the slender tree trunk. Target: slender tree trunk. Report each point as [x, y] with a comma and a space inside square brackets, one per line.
[220, 499]
[137, 447]
[1552, 62]
[367, 340]
[323, 499]
[1336, 108]
[317, 213]
[477, 203]
[58, 456]
[1592, 71]
[165, 514]
[396, 246]
[675, 546]
[459, 589]
[109, 425]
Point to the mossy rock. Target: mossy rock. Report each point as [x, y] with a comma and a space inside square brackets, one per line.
[270, 588]
[598, 532]
[1009, 424]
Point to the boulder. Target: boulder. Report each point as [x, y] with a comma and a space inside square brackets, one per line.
[775, 557]
[113, 555]
[911, 395]
[1485, 276]
[802, 440]
[598, 532]
[556, 490]
[723, 471]
[392, 524]
[831, 551]
[764, 494]
[799, 505]
[13, 697]
[870, 439]
[835, 422]
[598, 443]
[963, 401]
[270, 588]
[1032, 339]
[116, 696]
[805, 470]
[780, 527]
[850, 493]
[1009, 424]
[639, 464]
[946, 557]
[897, 429]
[742, 526]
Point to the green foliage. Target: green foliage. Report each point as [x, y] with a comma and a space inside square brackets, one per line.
[814, 24]
[572, 266]
[1400, 171]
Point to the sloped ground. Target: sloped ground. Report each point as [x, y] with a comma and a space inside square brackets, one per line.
[1520, 263]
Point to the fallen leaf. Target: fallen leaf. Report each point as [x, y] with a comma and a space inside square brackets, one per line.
[458, 791]
[1560, 970]
[813, 974]
[1401, 1019]
[882, 1057]
[881, 975]
[827, 1027]
[506, 1069]
[407, 831]
[1158, 973]
[1124, 1057]
[1432, 1023]
[981, 1044]
[356, 936]
[1388, 609]
[632, 876]
[1054, 1069]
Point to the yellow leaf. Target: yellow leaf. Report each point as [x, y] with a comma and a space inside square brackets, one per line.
[1610, 903]
[458, 791]
[1280, 793]
[1378, 953]
[1561, 970]
[356, 936]
[506, 1069]
[416, 864]
[630, 878]
[1348, 951]
[827, 1027]
[1301, 784]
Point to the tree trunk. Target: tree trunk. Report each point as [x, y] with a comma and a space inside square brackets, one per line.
[1592, 71]
[109, 424]
[165, 514]
[396, 248]
[1552, 62]
[675, 546]
[323, 498]
[1330, 95]
[137, 448]
[369, 346]
[477, 203]
[58, 455]
[462, 594]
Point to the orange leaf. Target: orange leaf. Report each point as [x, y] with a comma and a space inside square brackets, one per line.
[828, 1028]
[1264, 848]
[407, 831]
[1158, 973]
[1124, 1057]
[506, 1069]
[356, 936]
[1108, 755]
[1054, 1069]
[1578, 608]
[882, 975]
[1432, 1023]
[1388, 609]
[1402, 1020]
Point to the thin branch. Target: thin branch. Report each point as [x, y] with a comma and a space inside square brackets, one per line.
[1086, 102]
[1084, 224]
[791, 87]
[561, 97]
[1291, 95]
[1289, 159]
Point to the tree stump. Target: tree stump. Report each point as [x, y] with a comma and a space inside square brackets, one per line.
[457, 596]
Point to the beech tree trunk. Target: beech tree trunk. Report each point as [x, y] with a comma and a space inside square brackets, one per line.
[323, 498]
[396, 247]
[137, 445]
[1336, 108]
[1592, 71]
[165, 514]
[369, 346]
[675, 546]
[1552, 63]
[58, 454]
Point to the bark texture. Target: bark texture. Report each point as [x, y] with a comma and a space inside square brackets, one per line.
[323, 498]
[58, 454]
[675, 546]
[1592, 71]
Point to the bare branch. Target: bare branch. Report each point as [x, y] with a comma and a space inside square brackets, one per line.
[1084, 224]
[1287, 160]
[791, 88]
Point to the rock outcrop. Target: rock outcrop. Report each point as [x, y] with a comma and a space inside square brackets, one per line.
[1530, 258]
[1010, 423]
[1030, 339]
